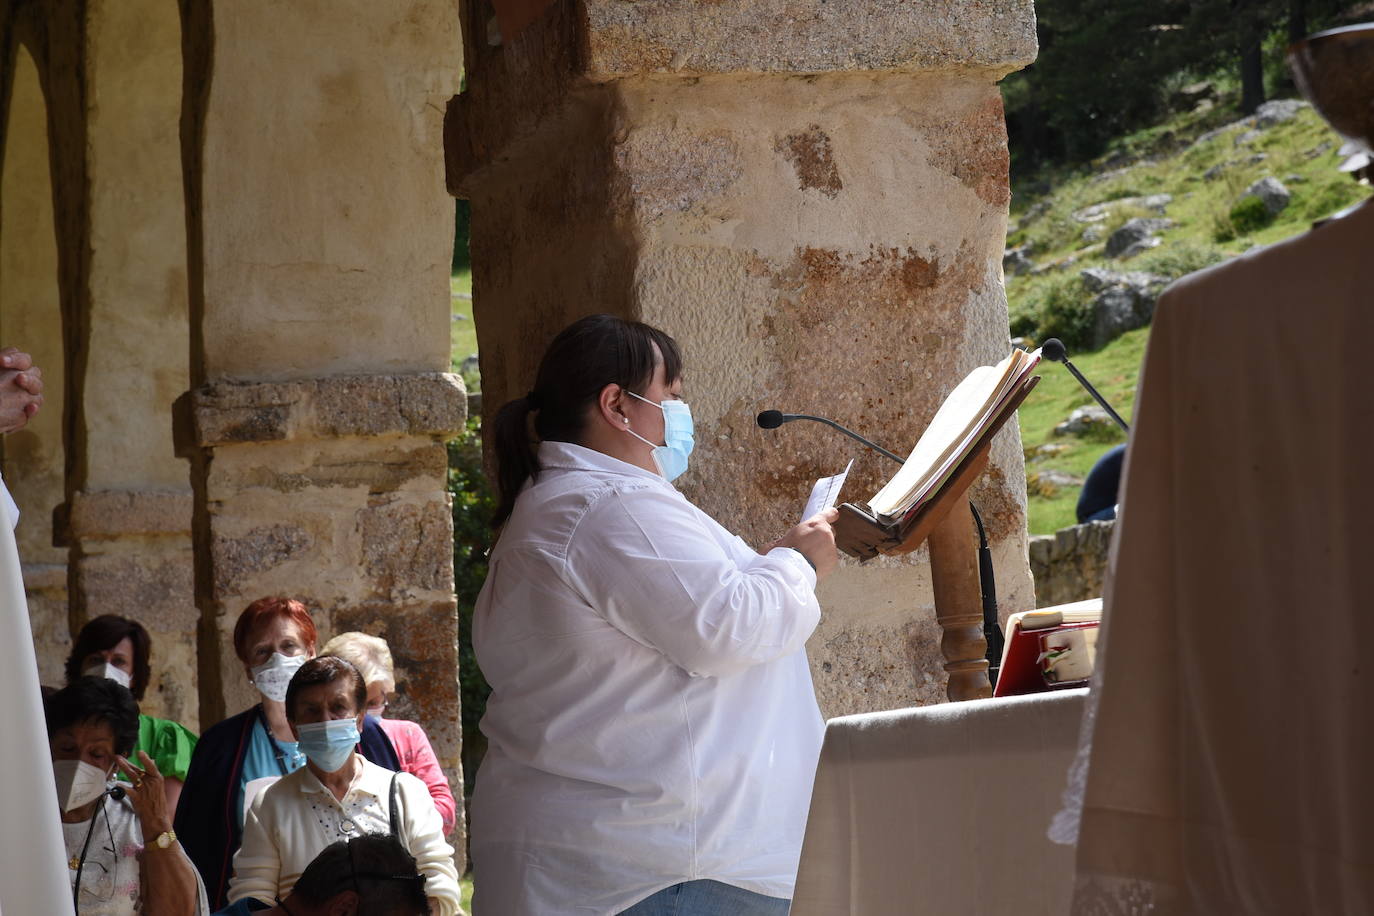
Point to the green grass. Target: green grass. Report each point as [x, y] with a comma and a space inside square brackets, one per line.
[1201, 209]
[464, 332]
[1206, 230]
[1113, 371]
[465, 889]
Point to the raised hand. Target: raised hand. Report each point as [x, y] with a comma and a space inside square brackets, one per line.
[21, 389]
[147, 796]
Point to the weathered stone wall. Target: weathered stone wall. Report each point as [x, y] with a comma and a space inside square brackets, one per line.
[1070, 564]
[818, 218]
[130, 518]
[31, 318]
[319, 244]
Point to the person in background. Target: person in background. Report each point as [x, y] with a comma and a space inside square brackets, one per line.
[1098, 498]
[365, 876]
[123, 856]
[239, 757]
[338, 794]
[372, 657]
[119, 648]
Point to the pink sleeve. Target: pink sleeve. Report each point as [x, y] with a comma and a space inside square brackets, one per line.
[417, 758]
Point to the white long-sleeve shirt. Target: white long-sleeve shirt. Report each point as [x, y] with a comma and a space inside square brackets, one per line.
[295, 818]
[652, 717]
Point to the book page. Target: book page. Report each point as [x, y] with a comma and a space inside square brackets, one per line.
[937, 476]
[965, 413]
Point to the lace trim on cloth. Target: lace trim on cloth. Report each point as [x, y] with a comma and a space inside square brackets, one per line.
[1064, 826]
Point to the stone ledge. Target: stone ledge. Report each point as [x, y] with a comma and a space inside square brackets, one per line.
[688, 37]
[104, 514]
[44, 577]
[229, 413]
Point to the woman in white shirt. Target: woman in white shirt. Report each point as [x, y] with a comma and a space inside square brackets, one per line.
[337, 795]
[653, 729]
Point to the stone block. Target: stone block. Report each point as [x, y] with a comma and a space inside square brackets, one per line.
[155, 588]
[45, 591]
[690, 37]
[428, 404]
[408, 547]
[106, 514]
[1071, 564]
[239, 559]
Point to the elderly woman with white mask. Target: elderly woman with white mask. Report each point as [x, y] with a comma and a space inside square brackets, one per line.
[238, 758]
[123, 856]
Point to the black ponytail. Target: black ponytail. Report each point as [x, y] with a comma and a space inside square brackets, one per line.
[584, 358]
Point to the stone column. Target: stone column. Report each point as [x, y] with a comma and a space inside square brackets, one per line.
[129, 520]
[31, 319]
[320, 243]
[812, 198]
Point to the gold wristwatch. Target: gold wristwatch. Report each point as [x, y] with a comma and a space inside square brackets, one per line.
[165, 839]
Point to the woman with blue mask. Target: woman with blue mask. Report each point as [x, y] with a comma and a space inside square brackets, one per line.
[337, 795]
[652, 728]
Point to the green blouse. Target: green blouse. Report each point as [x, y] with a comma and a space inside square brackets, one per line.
[169, 744]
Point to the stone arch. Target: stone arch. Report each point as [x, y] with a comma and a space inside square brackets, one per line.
[34, 459]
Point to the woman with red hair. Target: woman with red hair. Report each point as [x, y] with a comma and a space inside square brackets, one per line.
[237, 758]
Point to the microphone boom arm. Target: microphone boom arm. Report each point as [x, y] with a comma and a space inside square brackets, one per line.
[853, 435]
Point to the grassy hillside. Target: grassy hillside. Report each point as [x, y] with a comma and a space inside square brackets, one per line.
[1165, 159]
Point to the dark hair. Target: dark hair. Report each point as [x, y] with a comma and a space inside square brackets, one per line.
[326, 669]
[265, 609]
[106, 632]
[95, 699]
[376, 866]
[584, 358]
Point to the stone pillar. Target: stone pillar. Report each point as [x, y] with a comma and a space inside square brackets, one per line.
[31, 319]
[320, 243]
[130, 517]
[811, 197]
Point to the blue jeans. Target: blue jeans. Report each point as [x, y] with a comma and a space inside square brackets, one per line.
[708, 898]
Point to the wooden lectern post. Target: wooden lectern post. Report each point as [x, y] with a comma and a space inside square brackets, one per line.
[959, 607]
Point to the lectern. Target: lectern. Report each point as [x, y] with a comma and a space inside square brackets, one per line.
[940, 522]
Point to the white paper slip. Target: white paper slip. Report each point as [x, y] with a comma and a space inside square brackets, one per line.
[825, 492]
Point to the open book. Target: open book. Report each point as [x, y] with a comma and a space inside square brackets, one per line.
[975, 406]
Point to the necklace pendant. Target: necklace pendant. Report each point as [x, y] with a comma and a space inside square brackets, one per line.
[73, 863]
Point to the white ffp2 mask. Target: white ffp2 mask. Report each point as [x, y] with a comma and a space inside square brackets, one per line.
[107, 670]
[78, 783]
[272, 676]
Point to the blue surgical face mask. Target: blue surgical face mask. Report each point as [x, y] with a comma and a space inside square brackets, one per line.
[678, 436]
[328, 744]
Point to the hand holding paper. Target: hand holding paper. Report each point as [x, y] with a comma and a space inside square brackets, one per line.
[825, 492]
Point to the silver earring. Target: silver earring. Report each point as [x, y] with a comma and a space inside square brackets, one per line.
[626, 419]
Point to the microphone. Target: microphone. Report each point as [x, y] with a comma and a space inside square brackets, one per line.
[987, 577]
[772, 419]
[1054, 349]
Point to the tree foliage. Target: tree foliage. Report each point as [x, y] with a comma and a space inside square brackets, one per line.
[1105, 67]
